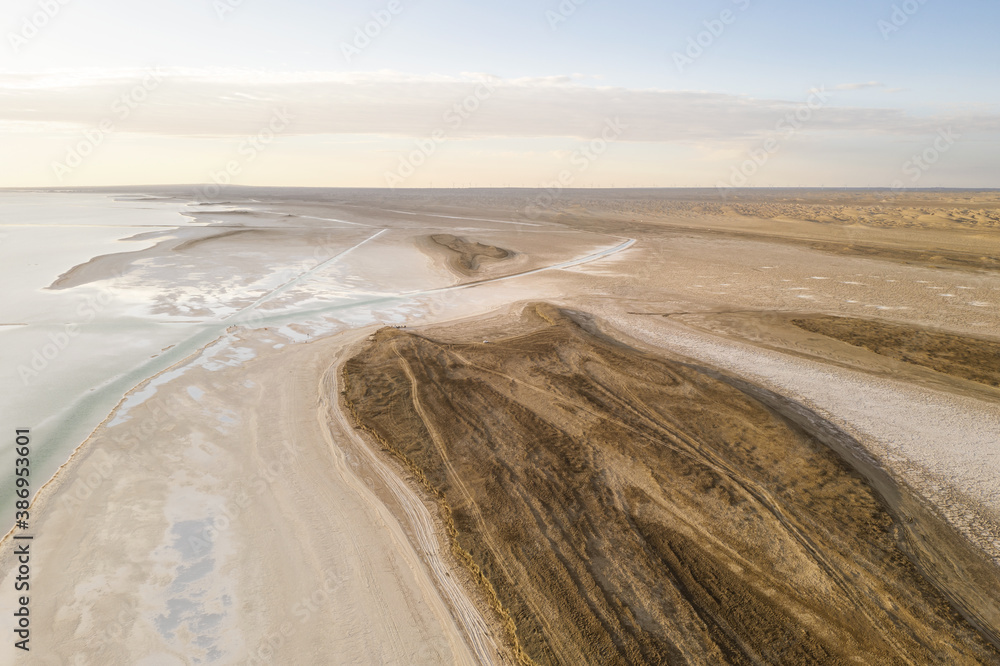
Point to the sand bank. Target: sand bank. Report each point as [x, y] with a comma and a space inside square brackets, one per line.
[624, 509]
[183, 511]
[222, 522]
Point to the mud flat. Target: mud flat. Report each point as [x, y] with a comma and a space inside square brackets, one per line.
[202, 245]
[622, 508]
[612, 505]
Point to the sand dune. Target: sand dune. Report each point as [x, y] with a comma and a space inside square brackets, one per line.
[624, 509]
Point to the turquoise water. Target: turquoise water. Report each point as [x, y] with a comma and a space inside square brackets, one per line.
[67, 357]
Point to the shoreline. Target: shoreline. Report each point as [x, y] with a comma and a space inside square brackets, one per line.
[54, 479]
[182, 476]
[228, 527]
[348, 342]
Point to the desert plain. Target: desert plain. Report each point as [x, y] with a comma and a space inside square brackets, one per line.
[529, 427]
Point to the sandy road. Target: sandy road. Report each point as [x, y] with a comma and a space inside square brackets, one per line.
[232, 535]
[396, 601]
[335, 428]
[234, 511]
[425, 532]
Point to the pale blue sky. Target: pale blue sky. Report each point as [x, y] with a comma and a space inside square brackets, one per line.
[894, 91]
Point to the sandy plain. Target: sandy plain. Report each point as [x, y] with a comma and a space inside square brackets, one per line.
[229, 511]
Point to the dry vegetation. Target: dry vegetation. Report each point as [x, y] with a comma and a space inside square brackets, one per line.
[871, 208]
[621, 508]
[931, 258]
[467, 256]
[956, 355]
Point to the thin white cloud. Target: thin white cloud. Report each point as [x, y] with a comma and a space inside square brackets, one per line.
[859, 86]
[224, 103]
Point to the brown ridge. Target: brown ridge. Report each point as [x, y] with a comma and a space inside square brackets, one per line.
[621, 508]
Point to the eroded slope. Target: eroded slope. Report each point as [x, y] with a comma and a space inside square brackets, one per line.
[620, 508]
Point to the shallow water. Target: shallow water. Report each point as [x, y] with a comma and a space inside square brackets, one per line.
[67, 353]
[70, 355]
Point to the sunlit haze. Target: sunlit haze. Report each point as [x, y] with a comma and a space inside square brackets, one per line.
[428, 93]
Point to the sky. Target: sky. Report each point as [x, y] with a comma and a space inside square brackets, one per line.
[442, 93]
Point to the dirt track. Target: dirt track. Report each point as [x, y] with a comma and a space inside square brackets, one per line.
[623, 545]
[627, 509]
